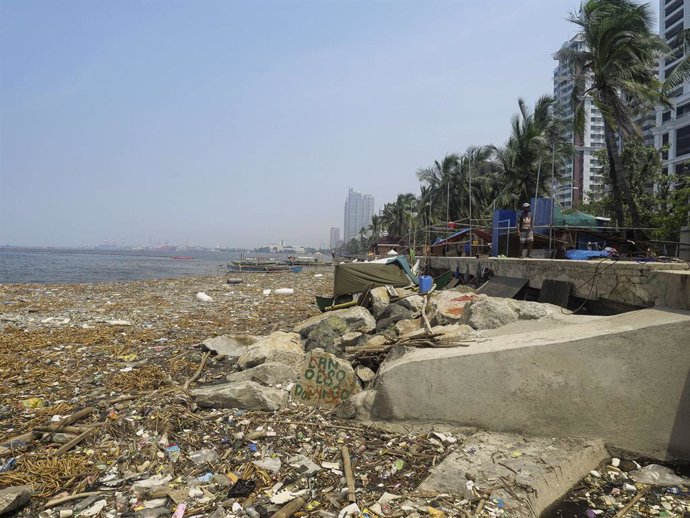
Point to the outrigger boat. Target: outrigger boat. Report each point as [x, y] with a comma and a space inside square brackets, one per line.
[263, 268]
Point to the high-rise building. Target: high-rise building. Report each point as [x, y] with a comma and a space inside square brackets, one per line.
[359, 208]
[581, 174]
[335, 237]
[673, 123]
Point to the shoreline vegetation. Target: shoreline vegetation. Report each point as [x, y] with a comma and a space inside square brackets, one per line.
[616, 71]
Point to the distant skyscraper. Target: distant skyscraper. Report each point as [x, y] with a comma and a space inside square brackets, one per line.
[672, 123]
[335, 237]
[581, 173]
[359, 208]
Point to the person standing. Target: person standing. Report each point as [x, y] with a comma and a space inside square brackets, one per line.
[525, 229]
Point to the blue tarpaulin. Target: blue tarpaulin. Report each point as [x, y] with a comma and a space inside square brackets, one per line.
[440, 241]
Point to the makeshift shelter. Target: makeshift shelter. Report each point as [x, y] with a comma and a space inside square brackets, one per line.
[357, 277]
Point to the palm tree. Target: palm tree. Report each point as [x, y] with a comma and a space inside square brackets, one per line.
[472, 195]
[615, 72]
[533, 147]
[375, 227]
[439, 178]
[396, 216]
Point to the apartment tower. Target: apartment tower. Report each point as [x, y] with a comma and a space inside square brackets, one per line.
[359, 208]
[673, 123]
[581, 174]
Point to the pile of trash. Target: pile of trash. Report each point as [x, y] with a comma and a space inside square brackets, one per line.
[171, 404]
[626, 488]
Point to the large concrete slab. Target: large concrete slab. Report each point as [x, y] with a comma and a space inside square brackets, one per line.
[624, 379]
[625, 282]
[527, 473]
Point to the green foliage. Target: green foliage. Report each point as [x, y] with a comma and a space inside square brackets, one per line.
[662, 198]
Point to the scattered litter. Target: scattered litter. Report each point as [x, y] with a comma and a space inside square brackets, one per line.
[657, 475]
[203, 297]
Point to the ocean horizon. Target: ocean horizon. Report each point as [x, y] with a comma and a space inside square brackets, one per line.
[78, 266]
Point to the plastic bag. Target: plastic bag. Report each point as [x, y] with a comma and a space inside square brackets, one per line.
[657, 475]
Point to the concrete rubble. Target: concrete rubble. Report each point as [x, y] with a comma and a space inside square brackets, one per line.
[243, 420]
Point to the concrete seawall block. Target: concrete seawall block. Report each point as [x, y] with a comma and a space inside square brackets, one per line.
[624, 379]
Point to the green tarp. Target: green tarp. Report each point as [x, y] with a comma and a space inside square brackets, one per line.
[357, 277]
[574, 219]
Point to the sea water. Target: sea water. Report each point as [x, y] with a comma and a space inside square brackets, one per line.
[69, 266]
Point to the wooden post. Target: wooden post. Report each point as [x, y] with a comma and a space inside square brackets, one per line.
[347, 467]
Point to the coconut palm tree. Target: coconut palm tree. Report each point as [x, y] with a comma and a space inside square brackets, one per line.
[533, 147]
[396, 216]
[375, 227]
[615, 71]
[439, 178]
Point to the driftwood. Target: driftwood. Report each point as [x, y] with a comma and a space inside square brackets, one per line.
[289, 509]
[347, 468]
[204, 359]
[75, 417]
[67, 429]
[629, 505]
[25, 437]
[79, 438]
[64, 499]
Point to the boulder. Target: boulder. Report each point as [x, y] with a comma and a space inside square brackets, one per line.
[488, 313]
[450, 305]
[405, 327]
[248, 395]
[13, 498]
[392, 314]
[232, 346]
[527, 310]
[348, 340]
[379, 300]
[414, 303]
[365, 373]
[325, 380]
[276, 347]
[268, 373]
[358, 406]
[325, 335]
[357, 319]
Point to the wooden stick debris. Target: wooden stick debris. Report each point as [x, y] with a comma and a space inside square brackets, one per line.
[75, 417]
[289, 509]
[25, 437]
[66, 429]
[64, 499]
[204, 358]
[480, 506]
[629, 505]
[347, 468]
[79, 438]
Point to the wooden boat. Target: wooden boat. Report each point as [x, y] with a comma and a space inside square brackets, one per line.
[269, 268]
[329, 302]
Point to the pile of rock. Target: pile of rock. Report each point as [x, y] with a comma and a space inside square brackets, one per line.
[319, 362]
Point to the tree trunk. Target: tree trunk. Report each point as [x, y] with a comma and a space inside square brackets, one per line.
[619, 182]
[615, 170]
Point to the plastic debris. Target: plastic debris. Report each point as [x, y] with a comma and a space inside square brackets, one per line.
[8, 465]
[242, 488]
[203, 297]
[285, 291]
[657, 475]
[203, 456]
[94, 509]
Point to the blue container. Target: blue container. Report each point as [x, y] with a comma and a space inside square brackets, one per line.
[425, 283]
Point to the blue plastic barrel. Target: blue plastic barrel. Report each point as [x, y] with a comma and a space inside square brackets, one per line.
[425, 283]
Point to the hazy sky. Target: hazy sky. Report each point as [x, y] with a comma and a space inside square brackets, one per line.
[245, 122]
